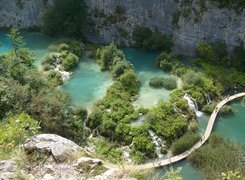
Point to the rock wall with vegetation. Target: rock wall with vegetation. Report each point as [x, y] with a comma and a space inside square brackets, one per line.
[22, 13]
[187, 21]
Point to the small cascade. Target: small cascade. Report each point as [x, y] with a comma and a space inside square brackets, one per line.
[193, 105]
[86, 128]
[139, 121]
[158, 142]
[64, 74]
[126, 154]
[208, 99]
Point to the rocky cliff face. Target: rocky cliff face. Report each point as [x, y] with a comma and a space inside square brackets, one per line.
[114, 21]
[21, 13]
[51, 157]
[193, 24]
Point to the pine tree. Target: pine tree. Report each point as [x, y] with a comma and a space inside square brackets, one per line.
[16, 39]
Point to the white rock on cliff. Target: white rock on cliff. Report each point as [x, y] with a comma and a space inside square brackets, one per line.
[59, 147]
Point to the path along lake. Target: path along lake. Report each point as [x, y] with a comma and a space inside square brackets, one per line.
[88, 84]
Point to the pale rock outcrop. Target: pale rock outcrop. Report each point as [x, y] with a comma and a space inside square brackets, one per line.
[8, 169]
[200, 25]
[90, 161]
[59, 147]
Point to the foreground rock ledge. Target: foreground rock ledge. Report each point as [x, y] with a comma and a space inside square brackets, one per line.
[59, 147]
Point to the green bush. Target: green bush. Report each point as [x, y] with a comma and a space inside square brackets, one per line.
[120, 68]
[209, 108]
[108, 55]
[74, 46]
[217, 156]
[166, 122]
[68, 60]
[145, 38]
[167, 61]
[55, 77]
[238, 5]
[14, 131]
[107, 150]
[175, 19]
[191, 78]
[65, 17]
[167, 83]
[184, 143]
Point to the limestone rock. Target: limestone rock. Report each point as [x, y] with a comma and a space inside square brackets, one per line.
[59, 147]
[90, 161]
[48, 177]
[209, 25]
[7, 169]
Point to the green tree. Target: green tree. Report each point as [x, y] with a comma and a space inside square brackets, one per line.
[15, 130]
[16, 39]
[65, 17]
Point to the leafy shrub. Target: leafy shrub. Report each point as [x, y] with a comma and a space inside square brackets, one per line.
[69, 60]
[191, 78]
[217, 156]
[64, 17]
[184, 143]
[107, 150]
[145, 38]
[167, 83]
[167, 61]
[15, 130]
[107, 55]
[120, 67]
[166, 123]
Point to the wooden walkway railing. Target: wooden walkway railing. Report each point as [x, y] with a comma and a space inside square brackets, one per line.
[197, 145]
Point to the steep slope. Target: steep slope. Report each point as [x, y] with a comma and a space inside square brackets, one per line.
[189, 22]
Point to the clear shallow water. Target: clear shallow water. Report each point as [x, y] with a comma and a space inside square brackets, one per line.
[232, 127]
[87, 83]
[36, 42]
[187, 172]
[145, 69]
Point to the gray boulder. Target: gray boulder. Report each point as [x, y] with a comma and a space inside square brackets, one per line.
[7, 169]
[59, 147]
[90, 161]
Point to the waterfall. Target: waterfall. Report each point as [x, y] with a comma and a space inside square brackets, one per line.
[64, 74]
[86, 128]
[157, 142]
[126, 154]
[139, 121]
[192, 105]
[208, 99]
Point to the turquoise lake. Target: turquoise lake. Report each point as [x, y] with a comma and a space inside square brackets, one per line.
[88, 84]
[145, 69]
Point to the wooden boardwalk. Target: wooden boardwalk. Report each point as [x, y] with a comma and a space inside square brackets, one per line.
[197, 145]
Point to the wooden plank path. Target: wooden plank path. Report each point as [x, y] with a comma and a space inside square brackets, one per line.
[197, 145]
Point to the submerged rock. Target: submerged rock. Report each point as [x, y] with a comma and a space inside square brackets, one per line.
[59, 147]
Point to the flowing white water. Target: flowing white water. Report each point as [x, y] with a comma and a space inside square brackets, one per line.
[64, 74]
[139, 121]
[208, 99]
[193, 105]
[158, 142]
[126, 154]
